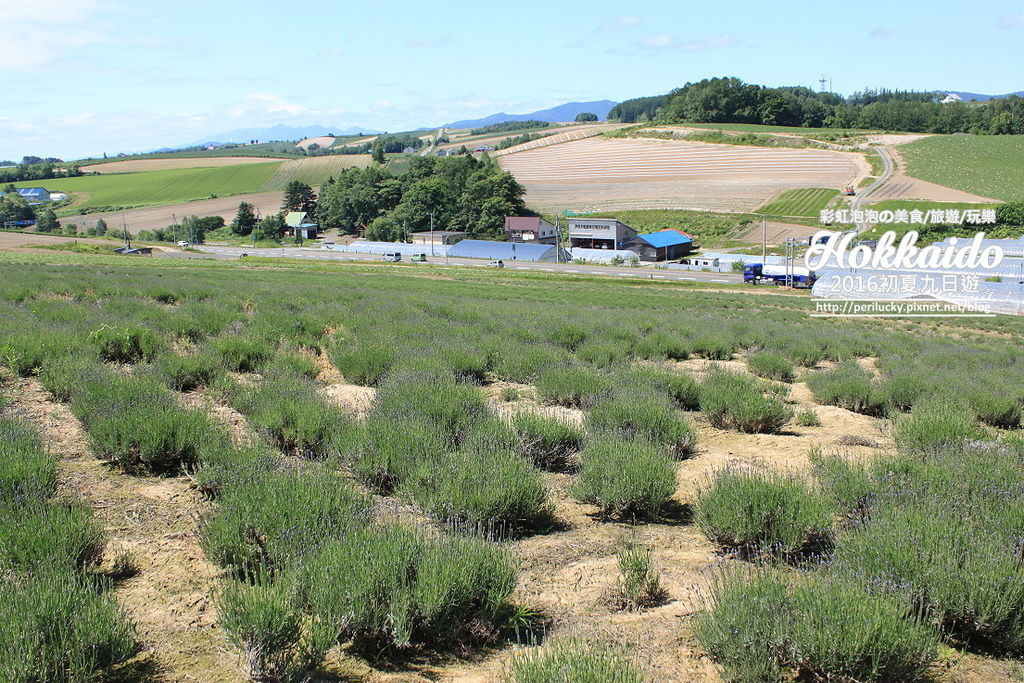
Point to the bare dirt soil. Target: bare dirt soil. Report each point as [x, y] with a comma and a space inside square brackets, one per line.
[600, 173]
[150, 218]
[137, 165]
[155, 520]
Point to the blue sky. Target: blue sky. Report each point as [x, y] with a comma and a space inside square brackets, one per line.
[83, 77]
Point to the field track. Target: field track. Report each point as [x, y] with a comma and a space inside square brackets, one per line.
[602, 174]
[162, 164]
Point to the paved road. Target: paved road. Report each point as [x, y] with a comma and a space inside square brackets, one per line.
[645, 273]
[887, 172]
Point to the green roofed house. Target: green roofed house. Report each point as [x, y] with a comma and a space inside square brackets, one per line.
[299, 225]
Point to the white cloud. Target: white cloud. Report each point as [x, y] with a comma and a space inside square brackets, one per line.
[664, 41]
[36, 34]
[1014, 21]
[427, 43]
[276, 104]
[621, 22]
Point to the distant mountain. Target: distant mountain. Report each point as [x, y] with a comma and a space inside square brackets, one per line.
[281, 132]
[968, 96]
[563, 112]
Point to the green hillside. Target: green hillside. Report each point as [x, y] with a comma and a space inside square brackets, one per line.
[123, 190]
[987, 165]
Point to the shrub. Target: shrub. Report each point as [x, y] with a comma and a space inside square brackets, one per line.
[56, 627]
[264, 620]
[365, 365]
[712, 348]
[288, 363]
[640, 415]
[572, 660]
[761, 512]
[847, 484]
[808, 418]
[392, 447]
[935, 425]
[549, 442]
[771, 366]
[734, 401]
[222, 465]
[389, 586]
[479, 486]
[433, 397]
[185, 373]
[525, 363]
[240, 354]
[661, 346]
[274, 520]
[848, 386]
[135, 423]
[958, 565]
[764, 627]
[602, 354]
[27, 472]
[290, 413]
[639, 584]
[682, 388]
[625, 478]
[26, 351]
[902, 390]
[125, 344]
[509, 394]
[573, 387]
[37, 536]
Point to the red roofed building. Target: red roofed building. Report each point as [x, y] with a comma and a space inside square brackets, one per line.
[529, 229]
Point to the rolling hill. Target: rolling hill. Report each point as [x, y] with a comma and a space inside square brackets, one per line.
[563, 112]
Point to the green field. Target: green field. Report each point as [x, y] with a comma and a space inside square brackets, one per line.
[805, 202]
[549, 423]
[313, 171]
[152, 188]
[274, 150]
[987, 165]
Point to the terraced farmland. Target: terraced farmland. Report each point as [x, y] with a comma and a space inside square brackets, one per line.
[169, 163]
[806, 202]
[314, 171]
[601, 174]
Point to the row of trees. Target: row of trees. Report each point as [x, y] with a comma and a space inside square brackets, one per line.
[730, 100]
[42, 170]
[448, 193]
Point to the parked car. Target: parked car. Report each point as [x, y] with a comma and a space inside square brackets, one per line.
[496, 264]
[421, 258]
[183, 244]
[394, 257]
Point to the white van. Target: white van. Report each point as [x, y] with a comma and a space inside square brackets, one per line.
[394, 257]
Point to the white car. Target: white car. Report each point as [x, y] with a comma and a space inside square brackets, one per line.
[183, 244]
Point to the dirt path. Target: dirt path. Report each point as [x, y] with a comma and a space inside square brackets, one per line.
[153, 519]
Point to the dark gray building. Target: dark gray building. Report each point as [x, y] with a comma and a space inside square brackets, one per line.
[599, 233]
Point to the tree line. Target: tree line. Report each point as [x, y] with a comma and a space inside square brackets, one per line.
[447, 193]
[730, 100]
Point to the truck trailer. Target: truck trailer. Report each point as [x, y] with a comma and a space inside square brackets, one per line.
[758, 273]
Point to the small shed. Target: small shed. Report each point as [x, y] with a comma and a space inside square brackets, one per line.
[299, 225]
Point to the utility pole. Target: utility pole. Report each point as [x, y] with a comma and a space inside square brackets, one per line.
[431, 233]
[764, 240]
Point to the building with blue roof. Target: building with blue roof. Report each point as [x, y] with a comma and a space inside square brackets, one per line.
[509, 251]
[664, 245]
[34, 195]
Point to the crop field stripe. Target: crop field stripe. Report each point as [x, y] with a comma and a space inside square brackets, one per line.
[987, 165]
[805, 202]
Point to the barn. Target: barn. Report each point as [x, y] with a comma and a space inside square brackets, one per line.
[664, 245]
